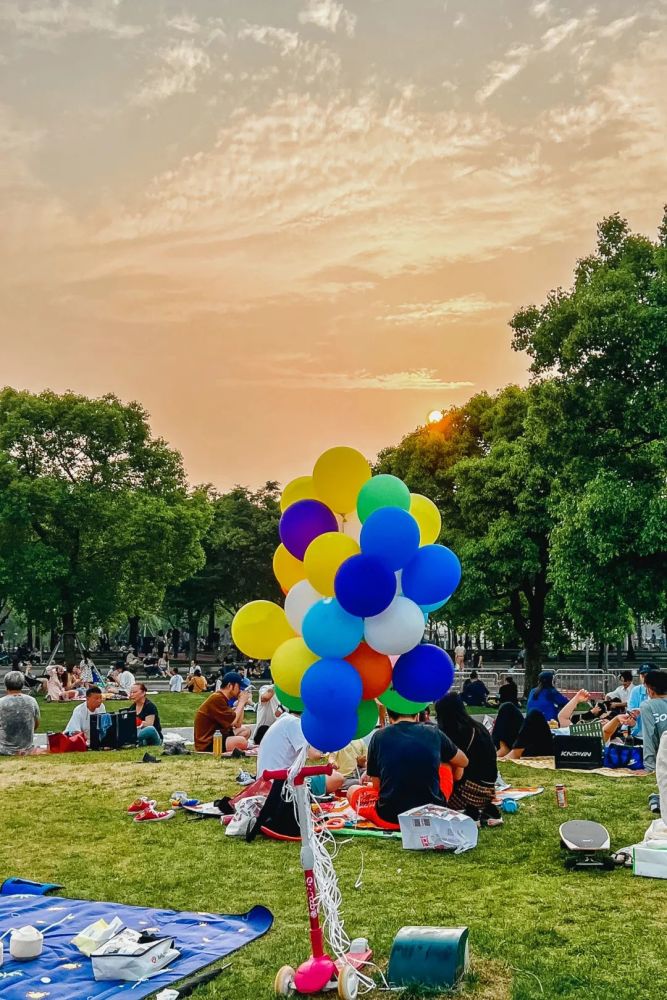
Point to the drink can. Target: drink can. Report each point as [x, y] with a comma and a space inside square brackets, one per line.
[561, 796]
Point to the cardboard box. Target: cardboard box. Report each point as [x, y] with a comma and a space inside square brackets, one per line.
[650, 861]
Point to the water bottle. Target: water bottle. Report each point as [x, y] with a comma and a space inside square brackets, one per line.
[217, 743]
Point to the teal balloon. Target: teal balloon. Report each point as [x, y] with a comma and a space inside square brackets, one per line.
[367, 716]
[289, 700]
[382, 491]
[396, 703]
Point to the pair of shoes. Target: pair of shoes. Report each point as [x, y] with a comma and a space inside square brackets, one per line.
[244, 778]
[148, 758]
[175, 750]
[140, 805]
[654, 803]
[153, 815]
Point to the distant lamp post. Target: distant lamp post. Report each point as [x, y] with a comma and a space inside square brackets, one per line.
[435, 416]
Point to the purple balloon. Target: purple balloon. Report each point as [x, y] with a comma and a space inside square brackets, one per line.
[426, 673]
[302, 522]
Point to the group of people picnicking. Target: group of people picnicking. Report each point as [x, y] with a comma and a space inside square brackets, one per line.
[410, 760]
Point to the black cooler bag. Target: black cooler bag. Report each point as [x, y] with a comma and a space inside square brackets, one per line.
[113, 730]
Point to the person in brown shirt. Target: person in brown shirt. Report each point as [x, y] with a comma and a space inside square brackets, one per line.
[216, 713]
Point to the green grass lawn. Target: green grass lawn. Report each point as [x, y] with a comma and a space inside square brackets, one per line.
[583, 936]
[175, 710]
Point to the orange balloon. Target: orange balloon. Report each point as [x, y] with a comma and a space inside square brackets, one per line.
[373, 668]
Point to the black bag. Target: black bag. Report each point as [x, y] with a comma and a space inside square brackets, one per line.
[113, 730]
[582, 753]
[276, 818]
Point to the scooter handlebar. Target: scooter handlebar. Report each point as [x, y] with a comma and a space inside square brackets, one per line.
[305, 772]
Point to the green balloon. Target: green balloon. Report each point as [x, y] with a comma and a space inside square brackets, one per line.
[289, 700]
[397, 703]
[368, 718]
[382, 491]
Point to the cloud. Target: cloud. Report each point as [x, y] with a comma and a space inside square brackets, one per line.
[279, 38]
[436, 313]
[618, 27]
[328, 14]
[186, 23]
[52, 21]
[419, 379]
[554, 36]
[504, 70]
[180, 70]
[540, 8]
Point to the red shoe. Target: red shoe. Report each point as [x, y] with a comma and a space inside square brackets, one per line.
[153, 815]
[141, 805]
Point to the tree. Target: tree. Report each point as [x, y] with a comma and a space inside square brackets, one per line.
[93, 511]
[238, 546]
[599, 351]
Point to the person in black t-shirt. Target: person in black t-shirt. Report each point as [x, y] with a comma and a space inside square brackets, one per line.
[516, 737]
[404, 762]
[475, 692]
[475, 789]
[508, 692]
[149, 730]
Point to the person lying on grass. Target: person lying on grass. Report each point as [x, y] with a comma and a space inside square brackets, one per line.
[80, 719]
[609, 725]
[282, 744]
[149, 730]
[405, 770]
[515, 737]
[216, 713]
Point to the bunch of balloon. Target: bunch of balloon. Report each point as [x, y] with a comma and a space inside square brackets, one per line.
[361, 570]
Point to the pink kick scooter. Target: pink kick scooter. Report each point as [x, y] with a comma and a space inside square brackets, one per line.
[319, 972]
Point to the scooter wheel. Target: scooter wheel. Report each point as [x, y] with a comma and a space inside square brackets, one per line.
[283, 985]
[348, 983]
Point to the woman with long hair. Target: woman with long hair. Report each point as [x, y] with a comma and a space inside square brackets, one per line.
[474, 791]
[546, 698]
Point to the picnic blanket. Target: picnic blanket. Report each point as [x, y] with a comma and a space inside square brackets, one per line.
[517, 793]
[63, 973]
[548, 764]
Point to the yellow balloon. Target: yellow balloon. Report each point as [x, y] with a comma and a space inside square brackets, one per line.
[338, 476]
[259, 628]
[323, 557]
[427, 516]
[302, 488]
[287, 569]
[289, 663]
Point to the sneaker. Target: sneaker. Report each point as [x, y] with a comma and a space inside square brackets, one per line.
[244, 778]
[141, 805]
[654, 804]
[153, 815]
[148, 758]
[492, 821]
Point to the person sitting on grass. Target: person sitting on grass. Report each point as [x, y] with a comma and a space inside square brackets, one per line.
[546, 698]
[196, 683]
[268, 710]
[126, 682]
[19, 718]
[475, 692]
[216, 714]
[515, 737]
[619, 696]
[508, 691]
[474, 790]
[175, 681]
[80, 718]
[637, 697]
[404, 769]
[351, 761]
[149, 730]
[56, 684]
[654, 715]
[282, 744]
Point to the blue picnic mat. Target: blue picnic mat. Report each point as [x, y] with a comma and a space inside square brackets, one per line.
[63, 973]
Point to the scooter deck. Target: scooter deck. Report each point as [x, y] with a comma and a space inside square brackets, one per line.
[357, 959]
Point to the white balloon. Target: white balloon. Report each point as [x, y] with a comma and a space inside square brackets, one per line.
[351, 526]
[397, 629]
[299, 601]
[399, 581]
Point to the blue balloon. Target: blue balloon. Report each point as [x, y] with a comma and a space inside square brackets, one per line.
[391, 535]
[364, 586]
[432, 575]
[329, 733]
[428, 608]
[330, 631]
[426, 673]
[331, 687]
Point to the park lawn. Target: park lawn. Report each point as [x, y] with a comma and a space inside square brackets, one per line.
[585, 936]
[175, 710]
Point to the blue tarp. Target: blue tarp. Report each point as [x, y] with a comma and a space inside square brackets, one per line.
[201, 938]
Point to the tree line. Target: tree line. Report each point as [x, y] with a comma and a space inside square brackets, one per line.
[554, 495]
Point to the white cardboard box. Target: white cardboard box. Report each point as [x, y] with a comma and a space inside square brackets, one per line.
[649, 861]
[436, 828]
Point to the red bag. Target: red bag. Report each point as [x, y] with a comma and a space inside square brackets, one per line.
[63, 743]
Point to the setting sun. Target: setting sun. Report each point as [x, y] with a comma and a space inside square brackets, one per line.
[435, 416]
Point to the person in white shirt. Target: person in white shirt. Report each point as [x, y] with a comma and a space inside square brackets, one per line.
[624, 689]
[125, 681]
[268, 710]
[281, 746]
[175, 681]
[86, 668]
[80, 718]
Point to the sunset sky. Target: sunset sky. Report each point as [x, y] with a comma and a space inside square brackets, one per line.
[287, 224]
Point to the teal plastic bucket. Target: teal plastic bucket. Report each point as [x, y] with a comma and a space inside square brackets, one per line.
[429, 956]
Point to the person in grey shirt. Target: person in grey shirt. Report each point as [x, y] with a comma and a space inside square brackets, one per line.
[653, 714]
[19, 717]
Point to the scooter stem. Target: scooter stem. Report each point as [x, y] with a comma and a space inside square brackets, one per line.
[308, 863]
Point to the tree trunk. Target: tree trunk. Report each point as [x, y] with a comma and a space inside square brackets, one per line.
[532, 662]
[193, 629]
[631, 648]
[638, 628]
[619, 655]
[210, 638]
[133, 640]
[28, 636]
[530, 628]
[69, 646]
